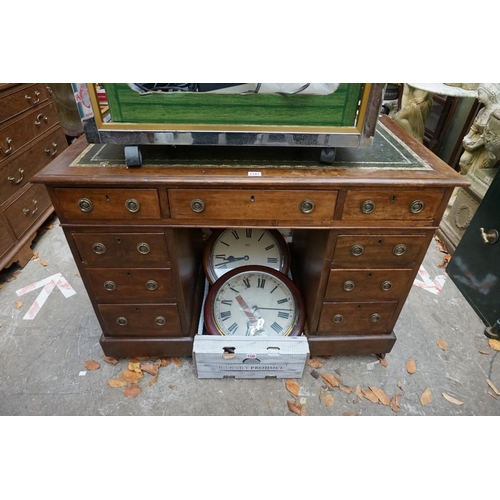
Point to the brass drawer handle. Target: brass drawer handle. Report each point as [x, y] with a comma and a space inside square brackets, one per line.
[132, 205]
[85, 205]
[416, 206]
[399, 250]
[338, 318]
[348, 285]
[160, 320]
[110, 286]
[368, 206]
[197, 205]
[12, 180]
[151, 285]
[8, 140]
[375, 317]
[122, 321]
[26, 211]
[99, 248]
[307, 206]
[386, 285]
[37, 95]
[54, 150]
[39, 119]
[357, 250]
[143, 248]
[490, 237]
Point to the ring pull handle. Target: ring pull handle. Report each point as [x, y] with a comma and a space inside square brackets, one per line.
[368, 206]
[357, 250]
[151, 285]
[399, 250]
[122, 321]
[54, 150]
[27, 211]
[375, 318]
[110, 286]
[85, 205]
[337, 318]
[416, 206]
[39, 119]
[12, 180]
[8, 140]
[307, 206]
[160, 320]
[489, 237]
[99, 248]
[197, 205]
[386, 285]
[132, 205]
[143, 248]
[348, 285]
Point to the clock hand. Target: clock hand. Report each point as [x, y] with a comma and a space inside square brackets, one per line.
[230, 260]
[246, 309]
[256, 308]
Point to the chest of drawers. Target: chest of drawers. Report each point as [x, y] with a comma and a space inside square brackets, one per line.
[30, 137]
[360, 229]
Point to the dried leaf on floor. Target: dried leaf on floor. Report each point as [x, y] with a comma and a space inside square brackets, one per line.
[494, 344]
[383, 361]
[296, 407]
[92, 365]
[441, 245]
[492, 394]
[44, 262]
[381, 395]
[172, 387]
[293, 387]
[451, 399]
[18, 304]
[35, 255]
[484, 352]
[110, 360]
[165, 361]
[368, 394]
[117, 382]
[328, 400]
[445, 261]
[130, 376]
[132, 391]
[350, 414]
[394, 404]
[492, 385]
[442, 343]
[134, 366]
[153, 380]
[426, 397]
[150, 368]
[358, 392]
[315, 363]
[343, 388]
[330, 379]
[411, 366]
[177, 362]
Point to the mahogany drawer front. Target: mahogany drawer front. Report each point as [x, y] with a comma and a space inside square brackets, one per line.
[144, 320]
[6, 239]
[369, 284]
[392, 204]
[122, 249]
[243, 204]
[338, 318]
[15, 174]
[27, 208]
[377, 251]
[13, 103]
[126, 286]
[16, 134]
[89, 204]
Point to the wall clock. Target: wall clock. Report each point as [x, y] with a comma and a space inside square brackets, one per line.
[254, 301]
[228, 249]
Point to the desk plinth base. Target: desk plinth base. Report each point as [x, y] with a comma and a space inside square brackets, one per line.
[351, 345]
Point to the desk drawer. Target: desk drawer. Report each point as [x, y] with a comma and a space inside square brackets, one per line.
[248, 204]
[339, 318]
[126, 286]
[378, 251]
[155, 320]
[85, 204]
[27, 97]
[392, 205]
[122, 249]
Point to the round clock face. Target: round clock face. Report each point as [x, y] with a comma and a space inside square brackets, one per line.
[254, 301]
[231, 248]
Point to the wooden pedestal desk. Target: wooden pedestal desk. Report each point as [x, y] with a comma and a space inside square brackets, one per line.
[361, 228]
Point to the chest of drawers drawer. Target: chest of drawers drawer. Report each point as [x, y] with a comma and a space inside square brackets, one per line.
[248, 205]
[6, 239]
[21, 98]
[126, 286]
[87, 204]
[122, 249]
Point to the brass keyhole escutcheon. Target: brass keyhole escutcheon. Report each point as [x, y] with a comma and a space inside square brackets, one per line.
[399, 250]
[368, 206]
[375, 317]
[151, 285]
[85, 205]
[307, 206]
[143, 248]
[110, 286]
[99, 248]
[386, 285]
[132, 205]
[338, 318]
[348, 285]
[160, 320]
[122, 321]
[416, 206]
[197, 205]
[357, 250]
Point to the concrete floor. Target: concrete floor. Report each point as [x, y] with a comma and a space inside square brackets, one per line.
[42, 360]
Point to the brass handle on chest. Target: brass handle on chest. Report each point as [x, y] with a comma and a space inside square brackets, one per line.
[399, 250]
[357, 250]
[85, 205]
[39, 119]
[368, 206]
[99, 248]
[122, 321]
[151, 285]
[54, 150]
[27, 211]
[143, 248]
[160, 320]
[37, 95]
[12, 180]
[8, 140]
[416, 206]
[307, 206]
[375, 317]
[110, 286]
[337, 318]
[490, 237]
[197, 205]
[348, 285]
[132, 205]
[386, 285]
